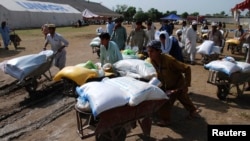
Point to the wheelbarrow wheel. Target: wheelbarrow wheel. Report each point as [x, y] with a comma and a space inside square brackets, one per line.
[232, 48]
[31, 86]
[69, 87]
[205, 59]
[118, 134]
[222, 91]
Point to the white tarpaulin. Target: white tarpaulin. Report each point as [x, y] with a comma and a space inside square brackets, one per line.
[88, 14]
[28, 14]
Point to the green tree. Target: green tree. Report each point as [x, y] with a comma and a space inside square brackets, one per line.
[222, 13]
[173, 12]
[167, 13]
[140, 15]
[184, 15]
[121, 9]
[154, 14]
[129, 14]
[195, 14]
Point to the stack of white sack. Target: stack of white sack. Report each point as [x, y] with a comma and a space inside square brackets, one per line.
[228, 65]
[245, 67]
[137, 91]
[98, 97]
[22, 67]
[208, 48]
[135, 68]
[96, 42]
[115, 92]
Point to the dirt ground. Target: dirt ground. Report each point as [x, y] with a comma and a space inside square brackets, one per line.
[51, 116]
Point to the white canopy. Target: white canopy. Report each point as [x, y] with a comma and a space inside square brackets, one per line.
[88, 14]
[28, 14]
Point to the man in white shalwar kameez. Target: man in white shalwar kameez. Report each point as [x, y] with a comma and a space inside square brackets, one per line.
[58, 44]
[190, 43]
[184, 32]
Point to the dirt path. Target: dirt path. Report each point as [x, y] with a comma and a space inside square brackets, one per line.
[51, 116]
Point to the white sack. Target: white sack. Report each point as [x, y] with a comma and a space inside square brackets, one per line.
[101, 96]
[95, 44]
[48, 53]
[245, 67]
[83, 105]
[229, 58]
[96, 39]
[205, 47]
[137, 91]
[144, 69]
[223, 66]
[21, 67]
[216, 49]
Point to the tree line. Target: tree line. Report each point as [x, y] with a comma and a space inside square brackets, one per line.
[130, 13]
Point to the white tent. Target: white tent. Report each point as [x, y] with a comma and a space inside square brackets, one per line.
[88, 14]
[30, 14]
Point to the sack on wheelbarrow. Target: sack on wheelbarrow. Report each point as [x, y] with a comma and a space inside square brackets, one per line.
[21, 67]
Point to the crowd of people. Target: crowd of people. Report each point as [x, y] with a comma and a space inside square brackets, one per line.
[172, 54]
[166, 52]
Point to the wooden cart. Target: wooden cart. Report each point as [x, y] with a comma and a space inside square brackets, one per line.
[110, 125]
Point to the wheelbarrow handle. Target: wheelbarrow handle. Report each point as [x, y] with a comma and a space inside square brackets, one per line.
[59, 50]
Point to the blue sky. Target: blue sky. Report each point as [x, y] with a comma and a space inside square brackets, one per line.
[181, 6]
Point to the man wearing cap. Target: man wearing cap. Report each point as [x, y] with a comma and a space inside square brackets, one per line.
[58, 43]
[109, 51]
[175, 77]
[119, 35]
[110, 26]
[184, 32]
[190, 43]
[215, 35]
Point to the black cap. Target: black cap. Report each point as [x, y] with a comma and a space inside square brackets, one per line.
[154, 44]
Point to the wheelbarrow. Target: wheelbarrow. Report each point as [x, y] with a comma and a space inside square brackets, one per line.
[15, 39]
[225, 82]
[77, 75]
[29, 69]
[234, 45]
[111, 124]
